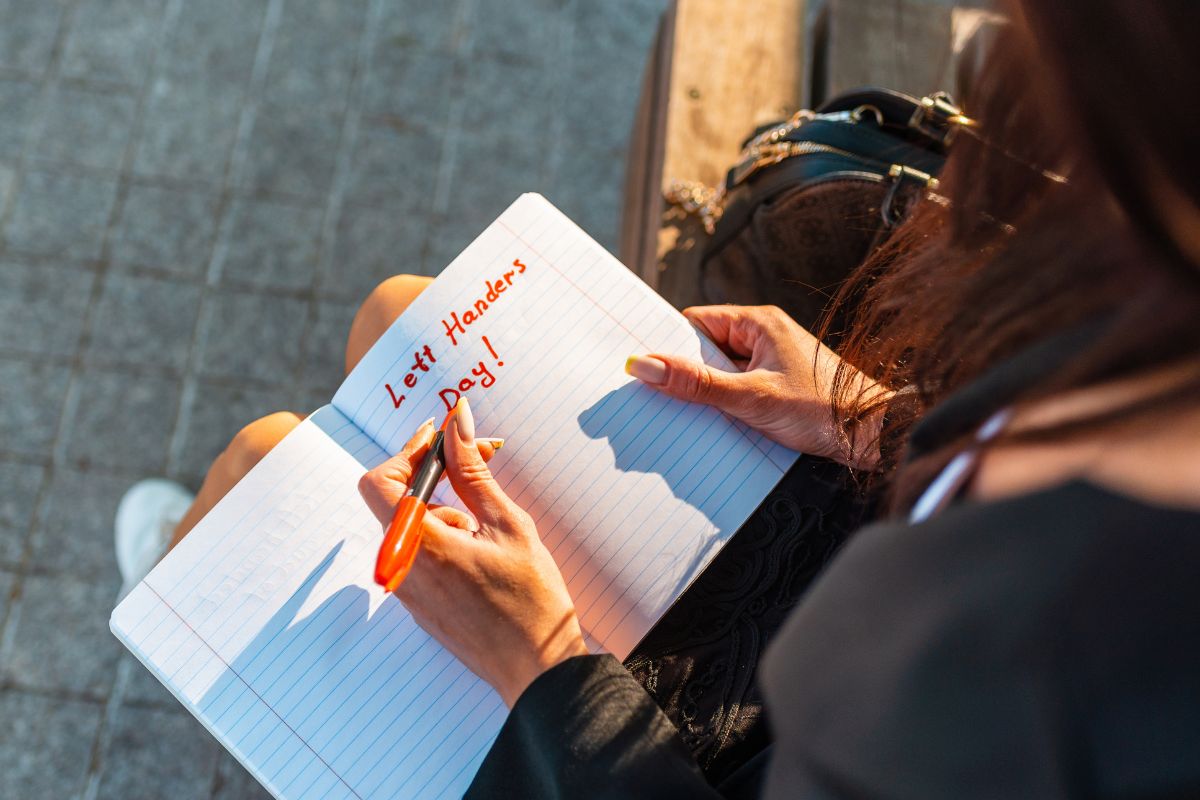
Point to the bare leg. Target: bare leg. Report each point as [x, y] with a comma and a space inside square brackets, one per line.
[254, 441]
[385, 302]
[245, 450]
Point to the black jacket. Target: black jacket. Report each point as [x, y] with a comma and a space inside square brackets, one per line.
[1041, 646]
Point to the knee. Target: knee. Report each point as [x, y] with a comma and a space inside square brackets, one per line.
[393, 294]
[255, 440]
[381, 308]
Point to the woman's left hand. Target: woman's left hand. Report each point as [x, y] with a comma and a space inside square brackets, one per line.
[485, 587]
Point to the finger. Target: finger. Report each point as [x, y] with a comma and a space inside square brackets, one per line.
[383, 486]
[488, 445]
[731, 392]
[455, 518]
[737, 330]
[718, 323]
[487, 449]
[444, 547]
[470, 476]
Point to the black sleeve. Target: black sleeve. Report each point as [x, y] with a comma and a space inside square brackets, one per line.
[1038, 646]
[587, 729]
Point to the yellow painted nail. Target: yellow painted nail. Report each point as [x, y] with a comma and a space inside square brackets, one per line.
[647, 369]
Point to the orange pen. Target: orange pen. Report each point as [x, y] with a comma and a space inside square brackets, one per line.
[403, 537]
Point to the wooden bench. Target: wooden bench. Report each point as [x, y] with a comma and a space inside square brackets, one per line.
[718, 69]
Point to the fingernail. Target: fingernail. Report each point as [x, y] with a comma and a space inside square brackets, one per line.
[464, 420]
[647, 369]
[495, 441]
[426, 422]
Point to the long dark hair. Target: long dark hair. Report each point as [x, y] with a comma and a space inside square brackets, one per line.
[1008, 253]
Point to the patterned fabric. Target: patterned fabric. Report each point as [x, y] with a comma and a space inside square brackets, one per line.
[699, 661]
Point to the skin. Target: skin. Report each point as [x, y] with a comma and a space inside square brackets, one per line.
[383, 305]
[512, 618]
[482, 584]
[784, 384]
[488, 590]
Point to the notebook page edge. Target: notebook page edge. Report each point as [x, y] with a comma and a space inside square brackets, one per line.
[145, 603]
[126, 639]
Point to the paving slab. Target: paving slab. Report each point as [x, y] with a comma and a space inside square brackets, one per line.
[86, 127]
[74, 533]
[8, 177]
[42, 307]
[168, 229]
[394, 165]
[45, 744]
[213, 45]
[424, 27]
[411, 85]
[158, 753]
[273, 245]
[28, 33]
[251, 335]
[292, 152]
[325, 345]
[315, 52]
[122, 420]
[20, 100]
[113, 40]
[234, 783]
[143, 321]
[19, 486]
[60, 641]
[215, 413]
[7, 580]
[188, 131]
[525, 29]
[142, 688]
[60, 214]
[33, 392]
[372, 244]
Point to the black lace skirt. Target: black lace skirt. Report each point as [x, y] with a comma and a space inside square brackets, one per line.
[699, 661]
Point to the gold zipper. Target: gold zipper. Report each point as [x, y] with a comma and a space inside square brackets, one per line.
[766, 155]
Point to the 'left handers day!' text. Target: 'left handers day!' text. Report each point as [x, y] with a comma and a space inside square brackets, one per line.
[455, 325]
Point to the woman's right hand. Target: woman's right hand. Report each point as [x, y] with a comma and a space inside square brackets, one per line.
[784, 388]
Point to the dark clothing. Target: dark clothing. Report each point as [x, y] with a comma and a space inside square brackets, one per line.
[700, 661]
[1044, 645]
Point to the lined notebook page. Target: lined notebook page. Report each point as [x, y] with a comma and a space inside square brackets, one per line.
[633, 492]
[265, 622]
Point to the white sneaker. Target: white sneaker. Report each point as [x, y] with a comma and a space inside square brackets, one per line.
[146, 519]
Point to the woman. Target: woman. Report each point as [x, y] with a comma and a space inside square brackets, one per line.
[1022, 378]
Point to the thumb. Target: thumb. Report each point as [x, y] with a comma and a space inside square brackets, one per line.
[693, 381]
[469, 474]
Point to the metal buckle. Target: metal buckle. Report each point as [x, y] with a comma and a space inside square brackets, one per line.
[899, 173]
[939, 117]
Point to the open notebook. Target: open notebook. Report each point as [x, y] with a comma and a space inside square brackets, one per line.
[265, 621]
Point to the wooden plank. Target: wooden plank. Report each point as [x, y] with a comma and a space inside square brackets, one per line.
[733, 66]
[641, 143]
[719, 68]
[638, 245]
[902, 44]
[916, 46]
